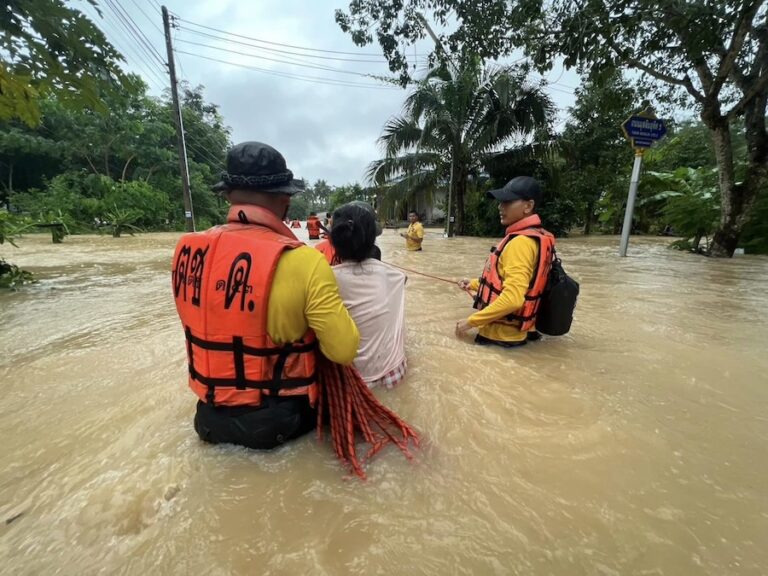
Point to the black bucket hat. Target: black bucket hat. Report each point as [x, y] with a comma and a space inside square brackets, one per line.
[519, 188]
[259, 167]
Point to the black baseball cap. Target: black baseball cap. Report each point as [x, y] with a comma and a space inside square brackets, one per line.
[519, 188]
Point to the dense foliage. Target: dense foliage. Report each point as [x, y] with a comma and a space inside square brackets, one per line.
[708, 55]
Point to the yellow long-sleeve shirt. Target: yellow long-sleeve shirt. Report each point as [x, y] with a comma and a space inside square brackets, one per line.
[515, 266]
[305, 295]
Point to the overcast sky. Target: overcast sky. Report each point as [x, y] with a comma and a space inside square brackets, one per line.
[326, 124]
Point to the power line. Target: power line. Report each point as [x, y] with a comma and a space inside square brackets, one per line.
[215, 166]
[147, 16]
[279, 51]
[196, 146]
[135, 30]
[553, 87]
[277, 43]
[142, 36]
[175, 40]
[135, 40]
[313, 79]
[151, 74]
[190, 142]
[313, 66]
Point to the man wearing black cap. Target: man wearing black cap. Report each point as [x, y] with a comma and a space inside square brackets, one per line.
[516, 272]
[256, 306]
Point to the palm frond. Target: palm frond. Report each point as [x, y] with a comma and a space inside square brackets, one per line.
[389, 169]
[399, 134]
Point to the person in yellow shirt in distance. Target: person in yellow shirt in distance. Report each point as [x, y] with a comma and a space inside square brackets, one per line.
[414, 236]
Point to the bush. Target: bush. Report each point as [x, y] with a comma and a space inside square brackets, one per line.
[11, 275]
[149, 206]
[481, 215]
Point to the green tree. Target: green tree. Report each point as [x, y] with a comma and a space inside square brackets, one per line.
[319, 196]
[350, 192]
[300, 207]
[685, 145]
[22, 155]
[48, 48]
[710, 53]
[72, 159]
[593, 146]
[755, 236]
[453, 121]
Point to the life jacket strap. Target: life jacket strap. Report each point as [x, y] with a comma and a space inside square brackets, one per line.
[283, 383]
[239, 351]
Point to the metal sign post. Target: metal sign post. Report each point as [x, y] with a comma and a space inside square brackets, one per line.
[633, 183]
[642, 130]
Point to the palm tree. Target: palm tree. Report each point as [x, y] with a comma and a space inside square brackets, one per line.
[455, 120]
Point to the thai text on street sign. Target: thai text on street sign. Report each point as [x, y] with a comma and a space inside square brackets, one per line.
[644, 129]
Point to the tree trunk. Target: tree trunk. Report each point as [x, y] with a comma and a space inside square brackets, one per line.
[6, 199]
[696, 242]
[588, 218]
[727, 235]
[736, 200]
[125, 168]
[460, 189]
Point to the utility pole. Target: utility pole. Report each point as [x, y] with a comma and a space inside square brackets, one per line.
[179, 121]
[439, 47]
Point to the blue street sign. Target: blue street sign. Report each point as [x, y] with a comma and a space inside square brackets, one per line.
[641, 143]
[643, 129]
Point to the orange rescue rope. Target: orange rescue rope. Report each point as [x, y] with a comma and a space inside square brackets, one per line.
[470, 294]
[353, 408]
[420, 273]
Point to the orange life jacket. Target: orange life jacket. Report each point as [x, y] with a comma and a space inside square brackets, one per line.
[328, 251]
[491, 282]
[313, 226]
[221, 284]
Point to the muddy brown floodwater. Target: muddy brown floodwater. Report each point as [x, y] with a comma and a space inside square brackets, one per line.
[637, 444]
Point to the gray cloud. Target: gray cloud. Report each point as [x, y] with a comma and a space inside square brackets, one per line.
[324, 131]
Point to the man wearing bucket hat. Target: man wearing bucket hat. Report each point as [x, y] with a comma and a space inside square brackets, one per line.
[256, 306]
[515, 274]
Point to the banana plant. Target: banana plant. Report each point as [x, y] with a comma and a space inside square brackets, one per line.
[691, 202]
[122, 219]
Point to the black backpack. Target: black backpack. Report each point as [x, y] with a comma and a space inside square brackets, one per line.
[558, 301]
